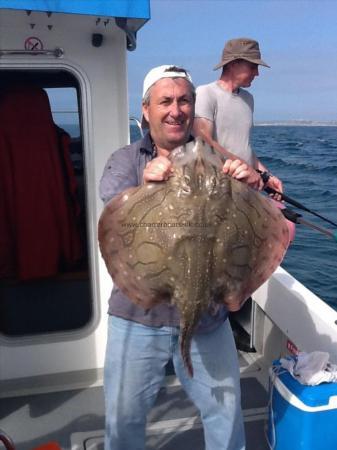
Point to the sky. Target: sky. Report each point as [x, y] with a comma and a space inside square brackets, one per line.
[298, 39]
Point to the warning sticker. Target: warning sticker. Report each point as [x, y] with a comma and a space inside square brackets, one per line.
[33, 43]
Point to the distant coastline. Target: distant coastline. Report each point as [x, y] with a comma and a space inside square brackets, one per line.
[296, 123]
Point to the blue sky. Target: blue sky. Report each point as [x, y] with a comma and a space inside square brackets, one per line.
[298, 39]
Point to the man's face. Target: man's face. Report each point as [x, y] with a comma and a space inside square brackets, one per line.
[170, 112]
[244, 72]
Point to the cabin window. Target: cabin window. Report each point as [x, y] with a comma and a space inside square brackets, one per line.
[45, 284]
[64, 108]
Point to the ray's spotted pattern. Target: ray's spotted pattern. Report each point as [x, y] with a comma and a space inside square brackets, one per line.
[198, 240]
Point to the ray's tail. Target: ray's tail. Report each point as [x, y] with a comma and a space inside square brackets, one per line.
[192, 298]
[189, 323]
[185, 346]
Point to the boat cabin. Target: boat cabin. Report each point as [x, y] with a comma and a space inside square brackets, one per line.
[63, 110]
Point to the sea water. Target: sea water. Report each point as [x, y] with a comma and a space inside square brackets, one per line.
[305, 159]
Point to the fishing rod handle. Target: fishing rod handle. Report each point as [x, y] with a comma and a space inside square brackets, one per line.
[287, 199]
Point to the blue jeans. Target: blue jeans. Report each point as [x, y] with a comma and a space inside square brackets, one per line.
[135, 369]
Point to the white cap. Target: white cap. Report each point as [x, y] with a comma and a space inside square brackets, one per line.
[163, 72]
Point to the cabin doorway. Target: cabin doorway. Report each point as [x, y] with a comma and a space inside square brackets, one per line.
[45, 283]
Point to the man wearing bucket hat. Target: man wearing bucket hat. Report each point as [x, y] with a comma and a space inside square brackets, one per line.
[224, 110]
[140, 343]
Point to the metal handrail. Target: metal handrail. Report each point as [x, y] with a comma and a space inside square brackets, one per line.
[139, 125]
[57, 52]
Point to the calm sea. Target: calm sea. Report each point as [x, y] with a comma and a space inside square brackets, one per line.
[305, 159]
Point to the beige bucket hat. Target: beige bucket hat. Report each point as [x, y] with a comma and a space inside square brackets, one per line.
[241, 48]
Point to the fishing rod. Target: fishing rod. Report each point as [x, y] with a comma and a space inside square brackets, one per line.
[293, 202]
[297, 218]
[294, 216]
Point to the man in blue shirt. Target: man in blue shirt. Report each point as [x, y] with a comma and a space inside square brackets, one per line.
[140, 343]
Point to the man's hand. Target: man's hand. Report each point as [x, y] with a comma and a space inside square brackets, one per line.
[159, 169]
[275, 183]
[243, 172]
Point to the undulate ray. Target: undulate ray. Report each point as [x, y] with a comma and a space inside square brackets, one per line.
[198, 240]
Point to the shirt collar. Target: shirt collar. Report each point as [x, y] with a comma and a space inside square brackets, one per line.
[146, 145]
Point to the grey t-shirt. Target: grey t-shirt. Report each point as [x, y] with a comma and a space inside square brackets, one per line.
[232, 116]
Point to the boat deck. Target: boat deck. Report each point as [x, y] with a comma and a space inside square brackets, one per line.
[75, 419]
